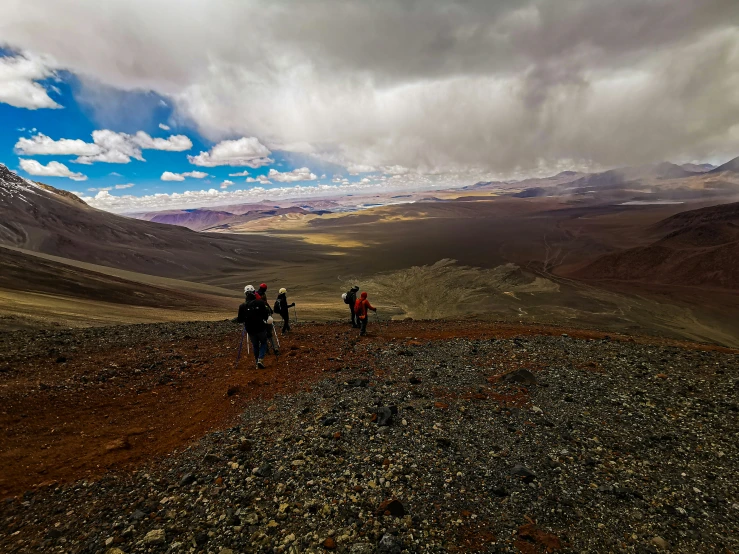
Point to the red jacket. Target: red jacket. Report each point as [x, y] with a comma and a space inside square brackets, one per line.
[361, 306]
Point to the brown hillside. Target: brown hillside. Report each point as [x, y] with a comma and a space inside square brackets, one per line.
[698, 248]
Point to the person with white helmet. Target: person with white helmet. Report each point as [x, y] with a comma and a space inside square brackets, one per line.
[255, 316]
[283, 308]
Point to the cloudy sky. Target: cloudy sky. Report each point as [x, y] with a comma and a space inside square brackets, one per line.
[164, 103]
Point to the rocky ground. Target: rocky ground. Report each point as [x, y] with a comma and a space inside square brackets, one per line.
[431, 438]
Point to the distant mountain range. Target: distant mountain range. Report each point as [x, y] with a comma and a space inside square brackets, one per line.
[663, 181]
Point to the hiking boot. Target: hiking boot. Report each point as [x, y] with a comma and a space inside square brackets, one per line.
[260, 365]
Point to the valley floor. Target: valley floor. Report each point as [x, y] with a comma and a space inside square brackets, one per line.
[146, 438]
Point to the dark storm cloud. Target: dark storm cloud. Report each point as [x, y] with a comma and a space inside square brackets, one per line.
[434, 86]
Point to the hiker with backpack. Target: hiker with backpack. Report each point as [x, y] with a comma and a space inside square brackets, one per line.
[261, 294]
[361, 310]
[283, 308]
[350, 297]
[254, 314]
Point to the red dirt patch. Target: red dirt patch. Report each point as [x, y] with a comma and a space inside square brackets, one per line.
[533, 540]
[474, 537]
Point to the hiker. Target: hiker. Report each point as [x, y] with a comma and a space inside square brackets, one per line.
[262, 295]
[254, 314]
[350, 297]
[283, 308]
[360, 309]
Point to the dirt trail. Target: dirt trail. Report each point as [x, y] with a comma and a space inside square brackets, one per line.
[78, 403]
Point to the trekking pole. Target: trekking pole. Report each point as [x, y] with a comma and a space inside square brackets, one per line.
[241, 343]
[296, 314]
[276, 337]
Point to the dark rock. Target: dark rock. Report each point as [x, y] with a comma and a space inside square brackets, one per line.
[263, 470]
[500, 492]
[391, 507]
[61, 360]
[358, 383]
[138, 515]
[211, 458]
[53, 534]
[328, 420]
[385, 415]
[521, 376]
[414, 381]
[188, 479]
[389, 544]
[525, 474]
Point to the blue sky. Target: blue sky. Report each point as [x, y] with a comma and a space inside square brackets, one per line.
[132, 112]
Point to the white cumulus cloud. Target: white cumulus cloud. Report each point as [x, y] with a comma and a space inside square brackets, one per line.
[225, 184]
[261, 179]
[175, 143]
[18, 86]
[106, 146]
[246, 151]
[53, 169]
[41, 145]
[169, 176]
[299, 174]
[239, 174]
[126, 186]
[164, 127]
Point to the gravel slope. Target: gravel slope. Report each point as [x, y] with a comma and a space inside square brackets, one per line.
[528, 444]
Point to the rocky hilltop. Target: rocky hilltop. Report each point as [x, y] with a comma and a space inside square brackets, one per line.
[426, 437]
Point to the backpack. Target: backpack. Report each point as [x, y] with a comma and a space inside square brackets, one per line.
[351, 298]
[278, 306]
[254, 314]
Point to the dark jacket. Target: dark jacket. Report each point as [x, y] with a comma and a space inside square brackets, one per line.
[253, 314]
[262, 295]
[284, 306]
[351, 298]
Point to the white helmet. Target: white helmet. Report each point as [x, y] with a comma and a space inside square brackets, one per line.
[283, 290]
[343, 296]
[249, 289]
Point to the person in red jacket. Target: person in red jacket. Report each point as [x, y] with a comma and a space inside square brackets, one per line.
[360, 308]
